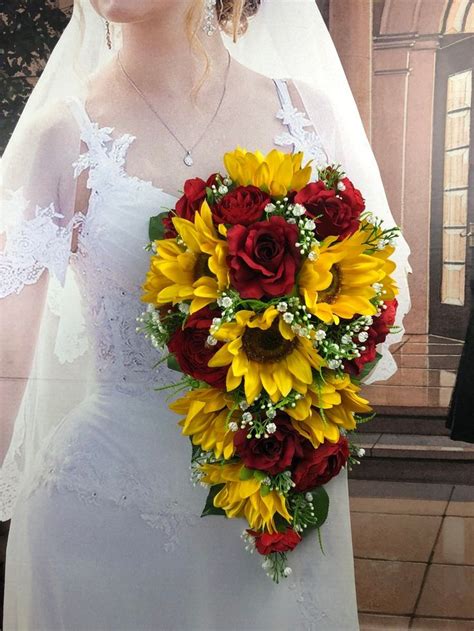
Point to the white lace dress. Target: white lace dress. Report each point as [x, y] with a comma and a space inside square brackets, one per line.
[106, 533]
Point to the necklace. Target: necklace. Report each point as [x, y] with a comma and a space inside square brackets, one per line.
[188, 158]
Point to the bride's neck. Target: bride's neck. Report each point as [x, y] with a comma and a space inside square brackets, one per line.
[158, 55]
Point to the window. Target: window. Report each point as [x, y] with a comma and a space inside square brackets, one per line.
[455, 187]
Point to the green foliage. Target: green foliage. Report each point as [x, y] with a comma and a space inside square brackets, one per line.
[156, 229]
[209, 508]
[29, 30]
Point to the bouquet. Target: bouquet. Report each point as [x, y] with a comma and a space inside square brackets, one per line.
[270, 292]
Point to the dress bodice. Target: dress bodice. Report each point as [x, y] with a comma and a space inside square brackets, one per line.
[111, 262]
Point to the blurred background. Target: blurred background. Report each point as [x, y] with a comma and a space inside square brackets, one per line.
[410, 67]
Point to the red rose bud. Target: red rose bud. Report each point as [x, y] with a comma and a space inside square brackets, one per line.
[352, 196]
[334, 214]
[244, 205]
[381, 325]
[267, 543]
[170, 230]
[263, 258]
[320, 465]
[189, 346]
[355, 366]
[377, 333]
[273, 454]
[194, 195]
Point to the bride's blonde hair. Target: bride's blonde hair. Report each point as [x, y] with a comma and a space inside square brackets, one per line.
[232, 16]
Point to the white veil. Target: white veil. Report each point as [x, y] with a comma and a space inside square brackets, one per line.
[286, 39]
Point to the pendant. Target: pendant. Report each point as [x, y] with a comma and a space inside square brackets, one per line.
[188, 159]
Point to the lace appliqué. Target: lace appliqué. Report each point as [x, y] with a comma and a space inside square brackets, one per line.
[96, 478]
[32, 245]
[302, 139]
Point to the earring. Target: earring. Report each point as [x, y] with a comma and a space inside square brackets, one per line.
[208, 25]
[108, 38]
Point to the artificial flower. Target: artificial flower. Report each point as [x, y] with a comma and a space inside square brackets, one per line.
[264, 352]
[207, 414]
[244, 205]
[189, 345]
[335, 212]
[194, 194]
[337, 282]
[263, 258]
[276, 173]
[274, 453]
[195, 270]
[267, 543]
[320, 465]
[244, 498]
[329, 403]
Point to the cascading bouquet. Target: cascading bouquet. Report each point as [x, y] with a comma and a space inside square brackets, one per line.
[271, 293]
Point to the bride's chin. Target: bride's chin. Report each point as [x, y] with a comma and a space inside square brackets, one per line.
[130, 11]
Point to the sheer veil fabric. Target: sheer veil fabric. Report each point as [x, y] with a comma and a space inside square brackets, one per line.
[287, 39]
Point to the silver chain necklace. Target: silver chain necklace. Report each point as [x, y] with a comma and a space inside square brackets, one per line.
[188, 158]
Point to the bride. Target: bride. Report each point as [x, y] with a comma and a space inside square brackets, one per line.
[138, 97]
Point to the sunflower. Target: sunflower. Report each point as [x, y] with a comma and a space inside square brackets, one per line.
[276, 173]
[262, 350]
[192, 267]
[330, 402]
[239, 498]
[389, 285]
[338, 281]
[206, 413]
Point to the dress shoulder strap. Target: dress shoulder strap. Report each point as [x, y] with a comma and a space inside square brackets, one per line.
[296, 121]
[283, 93]
[78, 110]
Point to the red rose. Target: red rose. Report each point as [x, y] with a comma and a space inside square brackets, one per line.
[273, 454]
[320, 465]
[334, 214]
[352, 196]
[381, 325]
[263, 258]
[355, 366]
[377, 333]
[194, 194]
[189, 346]
[267, 543]
[244, 205]
[170, 230]
[187, 205]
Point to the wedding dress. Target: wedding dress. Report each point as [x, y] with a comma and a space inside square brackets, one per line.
[106, 532]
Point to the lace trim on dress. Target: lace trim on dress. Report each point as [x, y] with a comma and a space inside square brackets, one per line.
[302, 139]
[32, 245]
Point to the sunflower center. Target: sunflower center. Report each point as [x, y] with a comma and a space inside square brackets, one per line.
[201, 267]
[331, 294]
[266, 346]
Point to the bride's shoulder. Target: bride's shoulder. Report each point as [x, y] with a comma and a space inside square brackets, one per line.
[50, 127]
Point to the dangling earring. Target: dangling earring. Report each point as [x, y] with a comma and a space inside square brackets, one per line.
[108, 38]
[208, 25]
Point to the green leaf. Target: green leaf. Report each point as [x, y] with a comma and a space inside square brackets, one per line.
[321, 504]
[280, 523]
[368, 367]
[321, 508]
[259, 475]
[246, 474]
[172, 363]
[264, 490]
[209, 508]
[156, 229]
